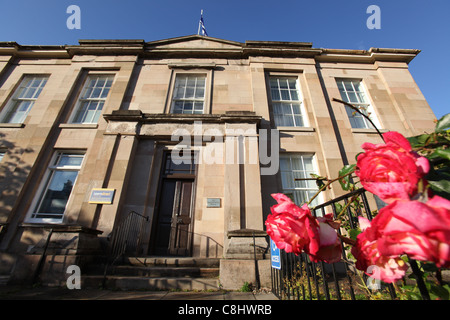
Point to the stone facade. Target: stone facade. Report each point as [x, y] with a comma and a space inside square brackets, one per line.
[124, 150]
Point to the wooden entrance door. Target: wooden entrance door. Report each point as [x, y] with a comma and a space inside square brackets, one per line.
[173, 232]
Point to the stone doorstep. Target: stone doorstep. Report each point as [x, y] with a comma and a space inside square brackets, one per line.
[161, 271]
[173, 262]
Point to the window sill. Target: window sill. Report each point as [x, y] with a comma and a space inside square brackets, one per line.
[296, 129]
[79, 125]
[12, 125]
[368, 131]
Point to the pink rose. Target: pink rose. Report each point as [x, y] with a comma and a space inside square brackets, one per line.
[292, 228]
[420, 230]
[369, 258]
[330, 246]
[391, 170]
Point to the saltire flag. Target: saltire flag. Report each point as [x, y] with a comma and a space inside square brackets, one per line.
[201, 26]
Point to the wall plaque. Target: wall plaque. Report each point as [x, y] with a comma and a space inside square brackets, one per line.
[213, 202]
[102, 196]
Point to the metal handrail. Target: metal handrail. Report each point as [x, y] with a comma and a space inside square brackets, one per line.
[124, 238]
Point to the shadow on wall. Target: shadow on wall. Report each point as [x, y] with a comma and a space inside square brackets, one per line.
[13, 175]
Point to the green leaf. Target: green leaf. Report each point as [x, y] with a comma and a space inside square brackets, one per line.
[419, 141]
[441, 187]
[443, 123]
[354, 233]
[445, 154]
[439, 292]
[345, 181]
[439, 181]
[347, 169]
[414, 296]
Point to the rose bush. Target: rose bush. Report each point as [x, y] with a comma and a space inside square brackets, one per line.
[420, 230]
[391, 170]
[367, 253]
[330, 249]
[411, 224]
[412, 178]
[292, 228]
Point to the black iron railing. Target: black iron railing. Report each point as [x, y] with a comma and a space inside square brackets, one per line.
[301, 279]
[125, 238]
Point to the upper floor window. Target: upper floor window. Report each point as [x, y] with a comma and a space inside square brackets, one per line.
[189, 94]
[17, 109]
[92, 99]
[286, 102]
[352, 91]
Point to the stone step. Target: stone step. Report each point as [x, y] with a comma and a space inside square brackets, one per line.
[156, 273]
[148, 262]
[172, 262]
[161, 271]
[146, 283]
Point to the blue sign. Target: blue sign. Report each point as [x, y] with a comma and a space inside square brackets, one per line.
[275, 255]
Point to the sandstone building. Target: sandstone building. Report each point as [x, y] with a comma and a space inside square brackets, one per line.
[88, 134]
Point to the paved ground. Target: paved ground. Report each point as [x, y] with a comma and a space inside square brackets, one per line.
[62, 293]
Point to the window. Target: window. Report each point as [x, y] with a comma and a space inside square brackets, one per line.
[2, 154]
[61, 178]
[294, 167]
[92, 99]
[23, 99]
[189, 94]
[180, 164]
[352, 92]
[286, 102]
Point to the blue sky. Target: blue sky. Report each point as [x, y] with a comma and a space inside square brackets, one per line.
[411, 24]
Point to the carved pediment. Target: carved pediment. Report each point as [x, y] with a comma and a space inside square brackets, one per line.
[194, 44]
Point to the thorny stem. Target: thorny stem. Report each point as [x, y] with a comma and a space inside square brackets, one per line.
[326, 185]
[347, 205]
[365, 116]
[347, 240]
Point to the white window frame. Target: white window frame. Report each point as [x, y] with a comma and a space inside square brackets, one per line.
[288, 102]
[76, 117]
[307, 187]
[10, 110]
[185, 99]
[34, 216]
[362, 102]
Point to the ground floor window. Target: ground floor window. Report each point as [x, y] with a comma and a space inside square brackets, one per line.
[57, 187]
[295, 169]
